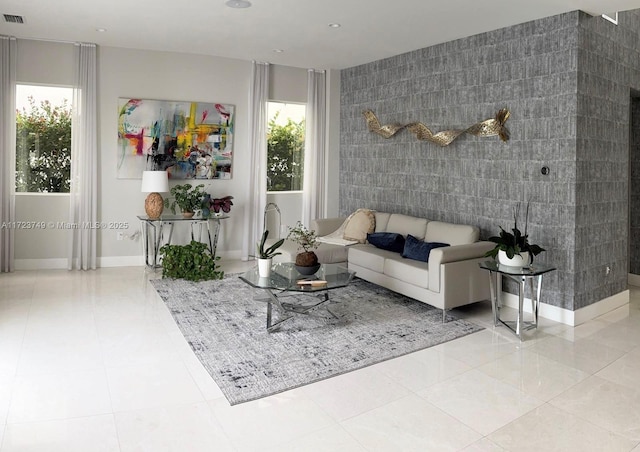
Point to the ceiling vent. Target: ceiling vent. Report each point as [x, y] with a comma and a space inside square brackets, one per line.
[12, 18]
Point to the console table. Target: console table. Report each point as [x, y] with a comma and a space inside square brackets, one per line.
[153, 230]
[521, 276]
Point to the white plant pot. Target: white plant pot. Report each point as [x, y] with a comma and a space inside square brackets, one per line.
[518, 260]
[264, 268]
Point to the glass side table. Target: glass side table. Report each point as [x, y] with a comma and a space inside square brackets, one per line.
[532, 273]
[153, 230]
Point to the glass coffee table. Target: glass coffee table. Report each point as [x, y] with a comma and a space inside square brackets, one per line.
[286, 279]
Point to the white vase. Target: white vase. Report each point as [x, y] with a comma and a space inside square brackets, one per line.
[518, 260]
[264, 268]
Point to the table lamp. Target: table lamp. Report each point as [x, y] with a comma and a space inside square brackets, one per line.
[154, 183]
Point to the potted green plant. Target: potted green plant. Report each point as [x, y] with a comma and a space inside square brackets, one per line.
[188, 198]
[513, 248]
[306, 260]
[193, 262]
[266, 254]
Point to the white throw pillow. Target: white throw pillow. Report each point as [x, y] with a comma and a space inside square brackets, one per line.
[359, 224]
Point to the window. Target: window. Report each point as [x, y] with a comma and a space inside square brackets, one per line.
[285, 146]
[43, 138]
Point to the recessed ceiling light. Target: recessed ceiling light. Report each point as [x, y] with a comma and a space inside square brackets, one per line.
[334, 25]
[238, 3]
[101, 30]
[278, 50]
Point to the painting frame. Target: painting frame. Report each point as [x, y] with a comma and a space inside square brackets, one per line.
[188, 139]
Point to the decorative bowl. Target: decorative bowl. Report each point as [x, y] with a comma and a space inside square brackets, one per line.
[308, 270]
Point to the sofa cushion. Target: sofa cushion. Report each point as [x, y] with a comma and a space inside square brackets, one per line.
[387, 241]
[382, 220]
[453, 234]
[419, 250]
[370, 257]
[359, 224]
[409, 271]
[405, 225]
[331, 254]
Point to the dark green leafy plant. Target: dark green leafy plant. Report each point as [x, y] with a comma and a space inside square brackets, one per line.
[193, 262]
[188, 198]
[270, 252]
[514, 242]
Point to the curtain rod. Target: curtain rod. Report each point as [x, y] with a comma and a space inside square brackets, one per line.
[55, 41]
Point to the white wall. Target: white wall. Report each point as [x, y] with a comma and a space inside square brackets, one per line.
[41, 240]
[153, 75]
[171, 76]
[290, 205]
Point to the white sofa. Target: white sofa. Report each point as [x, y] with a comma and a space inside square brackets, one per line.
[450, 278]
[327, 254]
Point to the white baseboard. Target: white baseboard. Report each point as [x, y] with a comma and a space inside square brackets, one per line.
[40, 264]
[106, 261]
[121, 261]
[573, 318]
[61, 263]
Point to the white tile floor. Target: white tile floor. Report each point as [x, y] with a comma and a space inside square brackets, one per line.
[92, 361]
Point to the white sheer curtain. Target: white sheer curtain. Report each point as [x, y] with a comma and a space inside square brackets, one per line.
[84, 168]
[8, 50]
[314, 193]
[254, 208]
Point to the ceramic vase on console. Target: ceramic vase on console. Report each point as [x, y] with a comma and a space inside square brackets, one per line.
[518, 260]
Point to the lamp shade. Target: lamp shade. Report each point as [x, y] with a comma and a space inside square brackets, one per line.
[155, 181]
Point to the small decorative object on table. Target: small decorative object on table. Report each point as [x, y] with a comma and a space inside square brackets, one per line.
[306, 260]
[312, 282]
[188, 198]
[215, 207]
[513, 248]
[265, 256]
[221, 204]
[205, 207]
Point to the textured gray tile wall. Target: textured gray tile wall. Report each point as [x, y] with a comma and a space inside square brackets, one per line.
[608, 71]
[634, 192]
[532, 69]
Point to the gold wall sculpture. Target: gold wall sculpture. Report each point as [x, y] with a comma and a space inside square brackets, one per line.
[487, 128]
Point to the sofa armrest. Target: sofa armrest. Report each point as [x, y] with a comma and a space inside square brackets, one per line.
[439, 256]
[325, 226]
[459, 252]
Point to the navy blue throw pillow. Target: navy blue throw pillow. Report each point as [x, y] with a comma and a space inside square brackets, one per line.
[387, 241]
[418, 250]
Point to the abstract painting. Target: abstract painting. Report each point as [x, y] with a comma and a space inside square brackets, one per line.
[190, 140]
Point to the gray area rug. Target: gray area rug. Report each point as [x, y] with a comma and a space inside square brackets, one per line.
[225, 326]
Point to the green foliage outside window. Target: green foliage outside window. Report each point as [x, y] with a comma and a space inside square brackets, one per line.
[43, 148]
[285, 155]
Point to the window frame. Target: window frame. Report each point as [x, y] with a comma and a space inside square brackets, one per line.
[302, 106]
[38, 99]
